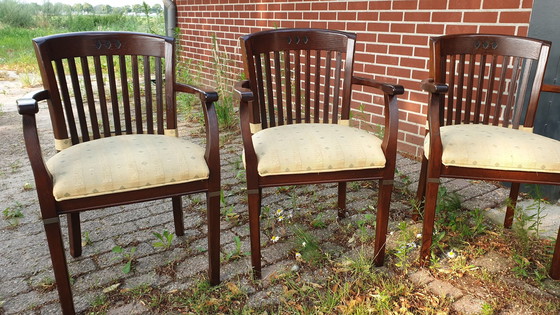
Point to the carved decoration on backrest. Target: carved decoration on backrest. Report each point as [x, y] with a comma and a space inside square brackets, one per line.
[485, 44]
[107, 44]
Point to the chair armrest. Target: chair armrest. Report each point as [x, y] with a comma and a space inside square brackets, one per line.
[243, 90]
[550, 88]
[391, 89]
[207, 95]
[28, 107]
[429, 85]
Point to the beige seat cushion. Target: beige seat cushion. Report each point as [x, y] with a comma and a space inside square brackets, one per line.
[125, 163]
[492, 147]
[315, 148]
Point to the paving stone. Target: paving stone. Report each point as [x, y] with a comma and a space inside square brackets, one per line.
[442, 288]
[13, 287]
[421, 277]
[493, 262]
[235, 268]
[133, 308]
[268, 297]
[192, 266]
[276, 252]
[468, 304]
[20, 303]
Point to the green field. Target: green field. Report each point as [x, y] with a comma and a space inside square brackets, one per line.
[21, 22]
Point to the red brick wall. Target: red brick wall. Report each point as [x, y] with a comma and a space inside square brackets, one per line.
[392, 39]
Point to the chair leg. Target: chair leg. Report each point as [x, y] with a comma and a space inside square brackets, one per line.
[421, 192]
[341, 200]
[74, 234]
[213, 217]
[178, 215]
[555, 264]
[513, 193]
[60, 268]
[254, 227]
[429, 218]
[383, 203]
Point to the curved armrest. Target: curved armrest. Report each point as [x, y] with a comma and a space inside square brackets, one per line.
[28, 107]
[243, 90]
[391, 89]
[207, 95]
[550, 88]
[429, 85]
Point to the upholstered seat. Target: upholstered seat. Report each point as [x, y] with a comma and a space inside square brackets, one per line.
[125, 163]
[498, 148]
[304, 148]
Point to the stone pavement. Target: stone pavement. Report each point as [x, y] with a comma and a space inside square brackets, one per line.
[25, 268]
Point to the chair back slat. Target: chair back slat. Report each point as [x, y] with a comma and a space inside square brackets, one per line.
[92, 111]
[107, 83]
[288, 87]
[299, 75]
[125, 94]
[489, 78]
[489, 91]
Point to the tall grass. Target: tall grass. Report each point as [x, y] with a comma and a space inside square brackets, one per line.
[20, 23]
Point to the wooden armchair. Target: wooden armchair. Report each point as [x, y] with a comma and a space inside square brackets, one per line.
[484, 91]
[112, 103]
[295, 113]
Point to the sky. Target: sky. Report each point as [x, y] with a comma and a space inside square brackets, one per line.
[119, 3]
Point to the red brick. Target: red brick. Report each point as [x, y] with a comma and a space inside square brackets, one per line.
[280, 15]
[362, 97]
[433, 4]
[389, 38]
[318, 24]
[337, 6]
[387, 60]
[355, 26]
[334, 25]
[497, 29]
[367, 37]
[368, 16]
[407, 127]
[374, 68]
[328, 16]
[378, 27]
[295, 15]
[413, 62]
[360, 5]
[346, 16]
[302, 24]
[405, 5]
[273, 7]
[380, 5]
[414, 139]
[415, 40]
[416, 118]
[319, 6]
[303, 6]
[527, 4]
[464, 4]
[400, 50]
[446, 16]
[480, 17]
[407, 148]
[377, 48]
[432, 28]
[419, 74]
[417, 16]
[501, 4]
[515, 17]
[398, 72]
[460, 29]
[402, 28]
[288, 7]
[390, 16]
[522, 31]
[310, 16]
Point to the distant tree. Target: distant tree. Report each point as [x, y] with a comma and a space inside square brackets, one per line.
[88, 8]
[78, 8]
[138, 8]
[157, 8]
[105, 9]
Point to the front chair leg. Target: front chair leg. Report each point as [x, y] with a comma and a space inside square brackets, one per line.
[383, 204]
[213, 218]
[178, 215]
[341, 200]
[74, 234]
[510, 210]
[60, 268]
[254, 227]
[432, 187]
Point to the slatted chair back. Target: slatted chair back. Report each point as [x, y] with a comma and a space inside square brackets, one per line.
[106, 84]
[490, 78]
[299, 75]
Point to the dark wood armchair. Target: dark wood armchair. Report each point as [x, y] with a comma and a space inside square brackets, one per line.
[295, 114]
[484, 91]
[112, 103]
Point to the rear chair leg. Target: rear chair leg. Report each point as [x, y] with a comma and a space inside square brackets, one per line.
[555, 264]
[421, 191]
[513, 194]
[341, 200]
[74, 234]
[178, 215]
